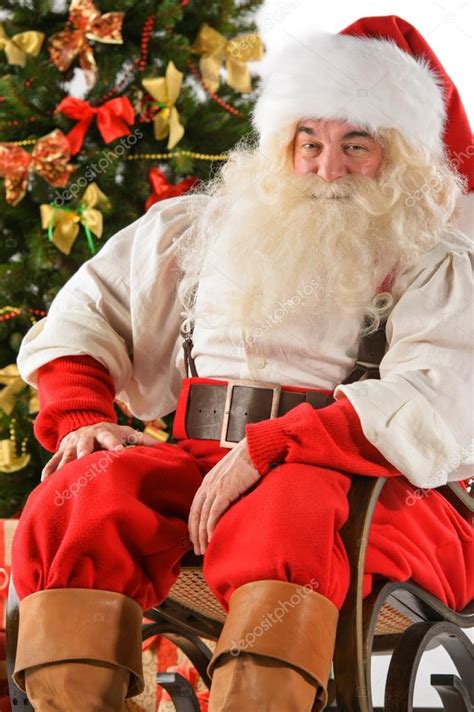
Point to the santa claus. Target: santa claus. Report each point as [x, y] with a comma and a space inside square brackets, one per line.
[349, 212]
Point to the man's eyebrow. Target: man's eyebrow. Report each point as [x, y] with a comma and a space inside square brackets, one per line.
[355, 134]
[351, 134]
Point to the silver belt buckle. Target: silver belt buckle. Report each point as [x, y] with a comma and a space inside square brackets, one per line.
[275, 387]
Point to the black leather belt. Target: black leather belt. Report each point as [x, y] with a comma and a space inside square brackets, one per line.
[221, 412]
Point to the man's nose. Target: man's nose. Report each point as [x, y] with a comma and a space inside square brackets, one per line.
[331, 166]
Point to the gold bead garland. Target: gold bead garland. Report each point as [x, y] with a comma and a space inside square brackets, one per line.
[150, 156]
[191, 154]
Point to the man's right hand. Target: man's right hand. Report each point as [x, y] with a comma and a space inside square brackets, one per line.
[99, 436]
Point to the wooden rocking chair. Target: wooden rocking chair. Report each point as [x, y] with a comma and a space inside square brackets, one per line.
[397, 618]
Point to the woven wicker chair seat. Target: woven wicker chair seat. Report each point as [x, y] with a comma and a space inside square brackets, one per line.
[191, 590]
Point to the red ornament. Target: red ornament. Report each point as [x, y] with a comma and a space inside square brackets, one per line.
[113, 119]
[49, 159]
[162, 188]
[84, 23]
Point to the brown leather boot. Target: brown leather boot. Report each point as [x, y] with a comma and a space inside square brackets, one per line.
[79, 649]
[275, 650]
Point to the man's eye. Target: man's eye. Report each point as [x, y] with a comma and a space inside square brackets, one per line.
[358, 148]
[310, 145]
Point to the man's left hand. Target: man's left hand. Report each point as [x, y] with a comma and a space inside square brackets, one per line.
[222, 485]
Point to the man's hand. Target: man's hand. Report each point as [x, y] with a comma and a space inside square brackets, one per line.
[99, 436]
[227, 480]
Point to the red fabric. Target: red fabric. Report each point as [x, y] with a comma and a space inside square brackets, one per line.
[457, 134]
[287, 528]
[73, 391]
[331, 437]
[118, 520]
[113, 520]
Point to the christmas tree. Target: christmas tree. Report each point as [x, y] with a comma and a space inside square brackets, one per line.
[165, 92]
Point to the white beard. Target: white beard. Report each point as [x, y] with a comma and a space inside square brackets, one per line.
[272, 236]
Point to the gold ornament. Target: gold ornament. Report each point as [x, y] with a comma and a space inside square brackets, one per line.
[14, 384]
[10, 461]
[167, 156]
[49, 159]
[85, 23]
[215, 49]
[165, 91]
[157, 429]
[63, 223]
[19, 46]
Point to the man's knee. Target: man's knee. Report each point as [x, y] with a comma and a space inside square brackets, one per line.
[289, 499]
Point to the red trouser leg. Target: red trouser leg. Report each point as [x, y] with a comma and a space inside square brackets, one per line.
[118, 522]
[112, 521]
[287, 528]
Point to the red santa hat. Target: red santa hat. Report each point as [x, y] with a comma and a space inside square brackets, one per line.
[378, 72]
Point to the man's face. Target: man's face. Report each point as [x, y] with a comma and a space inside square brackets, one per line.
[334, 149]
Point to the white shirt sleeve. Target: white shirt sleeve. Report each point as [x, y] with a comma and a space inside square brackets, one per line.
[420, 413]
[121, 301]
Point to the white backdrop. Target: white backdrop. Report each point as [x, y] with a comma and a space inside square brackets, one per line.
[448, 27]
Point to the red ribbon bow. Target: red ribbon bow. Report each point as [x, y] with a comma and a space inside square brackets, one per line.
[162, 188]
[113, 119]
[49, 159]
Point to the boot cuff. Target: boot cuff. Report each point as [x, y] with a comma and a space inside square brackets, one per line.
[80, 624]
[282, 620]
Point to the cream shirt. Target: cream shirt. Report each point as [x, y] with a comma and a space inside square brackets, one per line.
[121, 308]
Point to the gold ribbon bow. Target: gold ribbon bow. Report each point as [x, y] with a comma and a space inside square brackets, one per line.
[63, 224]
[10, 461]
[49, 159]
[19, 46]
[14, 384]
[215, 49]
[65, 46]
[165, 90]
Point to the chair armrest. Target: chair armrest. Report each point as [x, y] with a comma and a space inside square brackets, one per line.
[362, 498]
[460, 498]
[349, 650]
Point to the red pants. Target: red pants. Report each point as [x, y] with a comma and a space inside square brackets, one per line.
[118, 522]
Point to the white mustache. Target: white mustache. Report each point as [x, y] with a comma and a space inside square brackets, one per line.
[339, 190]
[331, 197]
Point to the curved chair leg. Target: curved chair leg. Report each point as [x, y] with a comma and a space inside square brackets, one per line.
[18, 699]
[191, 645]
[406, 658]
[453, 693]
[180, 691]
[178, 688]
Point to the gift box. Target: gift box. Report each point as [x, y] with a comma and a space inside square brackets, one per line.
[7, 529]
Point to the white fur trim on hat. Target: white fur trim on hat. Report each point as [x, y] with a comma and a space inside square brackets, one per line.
[365, 81]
